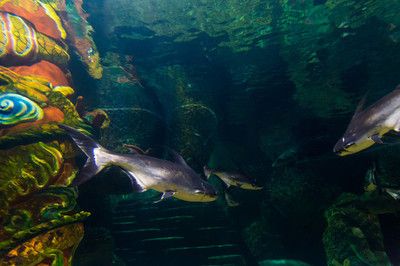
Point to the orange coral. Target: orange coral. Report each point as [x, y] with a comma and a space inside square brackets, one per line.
[38, 250]
[45, 70]
[51, 114]
[37, 14]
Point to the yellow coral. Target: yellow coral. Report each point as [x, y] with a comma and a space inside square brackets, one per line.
[53, 15]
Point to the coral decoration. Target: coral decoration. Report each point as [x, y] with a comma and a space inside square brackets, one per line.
[40, 14]
[55, 247]
[45, 70]
[54, 106]
[15, 109]
[64, 90]
[97, 118]
[79, 34]
[39, 221]
[80, 106]
[21, 43]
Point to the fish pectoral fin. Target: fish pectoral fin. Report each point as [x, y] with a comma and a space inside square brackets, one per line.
[86, 173]
[377, 139]
[167, 194]
[137, 186]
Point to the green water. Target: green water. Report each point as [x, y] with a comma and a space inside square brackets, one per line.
[260, 87]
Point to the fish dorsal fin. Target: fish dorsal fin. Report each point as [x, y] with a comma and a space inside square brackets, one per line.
[177, 158]
[360, 106]
[137, 185]
[207, 171]
[359, 109]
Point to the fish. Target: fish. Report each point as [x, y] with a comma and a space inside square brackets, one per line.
[135, 149]
[173, 179]
[368, 126]
[372, 184]
[394, 193]
[232, 179]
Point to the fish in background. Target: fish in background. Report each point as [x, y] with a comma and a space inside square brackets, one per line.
[372, 184]
[368, 126]
[232, 179]
[172, 179]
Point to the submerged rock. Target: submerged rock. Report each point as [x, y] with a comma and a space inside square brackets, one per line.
[353, 234]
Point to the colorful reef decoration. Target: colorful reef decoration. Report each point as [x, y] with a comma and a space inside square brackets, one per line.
[20, 43]
[15, 108]
[80, 36]
[79, 33]
[40, 223]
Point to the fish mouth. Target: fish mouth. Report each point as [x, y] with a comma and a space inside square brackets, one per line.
[339, 149]
[341, 152]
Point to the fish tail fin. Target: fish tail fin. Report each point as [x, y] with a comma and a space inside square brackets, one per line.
[207, 171]
[98, 157]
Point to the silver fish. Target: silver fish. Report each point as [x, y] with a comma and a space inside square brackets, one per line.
[232, 179]
[173, 179]
[368, 126]
[394, 193]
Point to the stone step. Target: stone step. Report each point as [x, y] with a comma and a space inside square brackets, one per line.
[175, 233]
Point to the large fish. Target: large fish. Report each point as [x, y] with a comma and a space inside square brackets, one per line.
[232, 179]
[368, 126]
[173, 179]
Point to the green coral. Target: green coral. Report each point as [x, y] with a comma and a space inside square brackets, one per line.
[48, 209]
[28, 172]
[55, 210]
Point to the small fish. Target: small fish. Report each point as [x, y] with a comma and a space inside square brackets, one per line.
[394, 193]
[371, 184]
[135, 149]
[368, 126]
[232, 179]
[173, 179]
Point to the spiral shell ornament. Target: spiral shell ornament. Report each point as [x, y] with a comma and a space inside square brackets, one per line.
[15, 109]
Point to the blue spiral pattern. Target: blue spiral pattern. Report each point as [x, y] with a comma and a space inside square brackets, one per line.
[15, 109]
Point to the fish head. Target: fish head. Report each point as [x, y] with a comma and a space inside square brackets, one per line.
[199, 191]
[354, 141]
